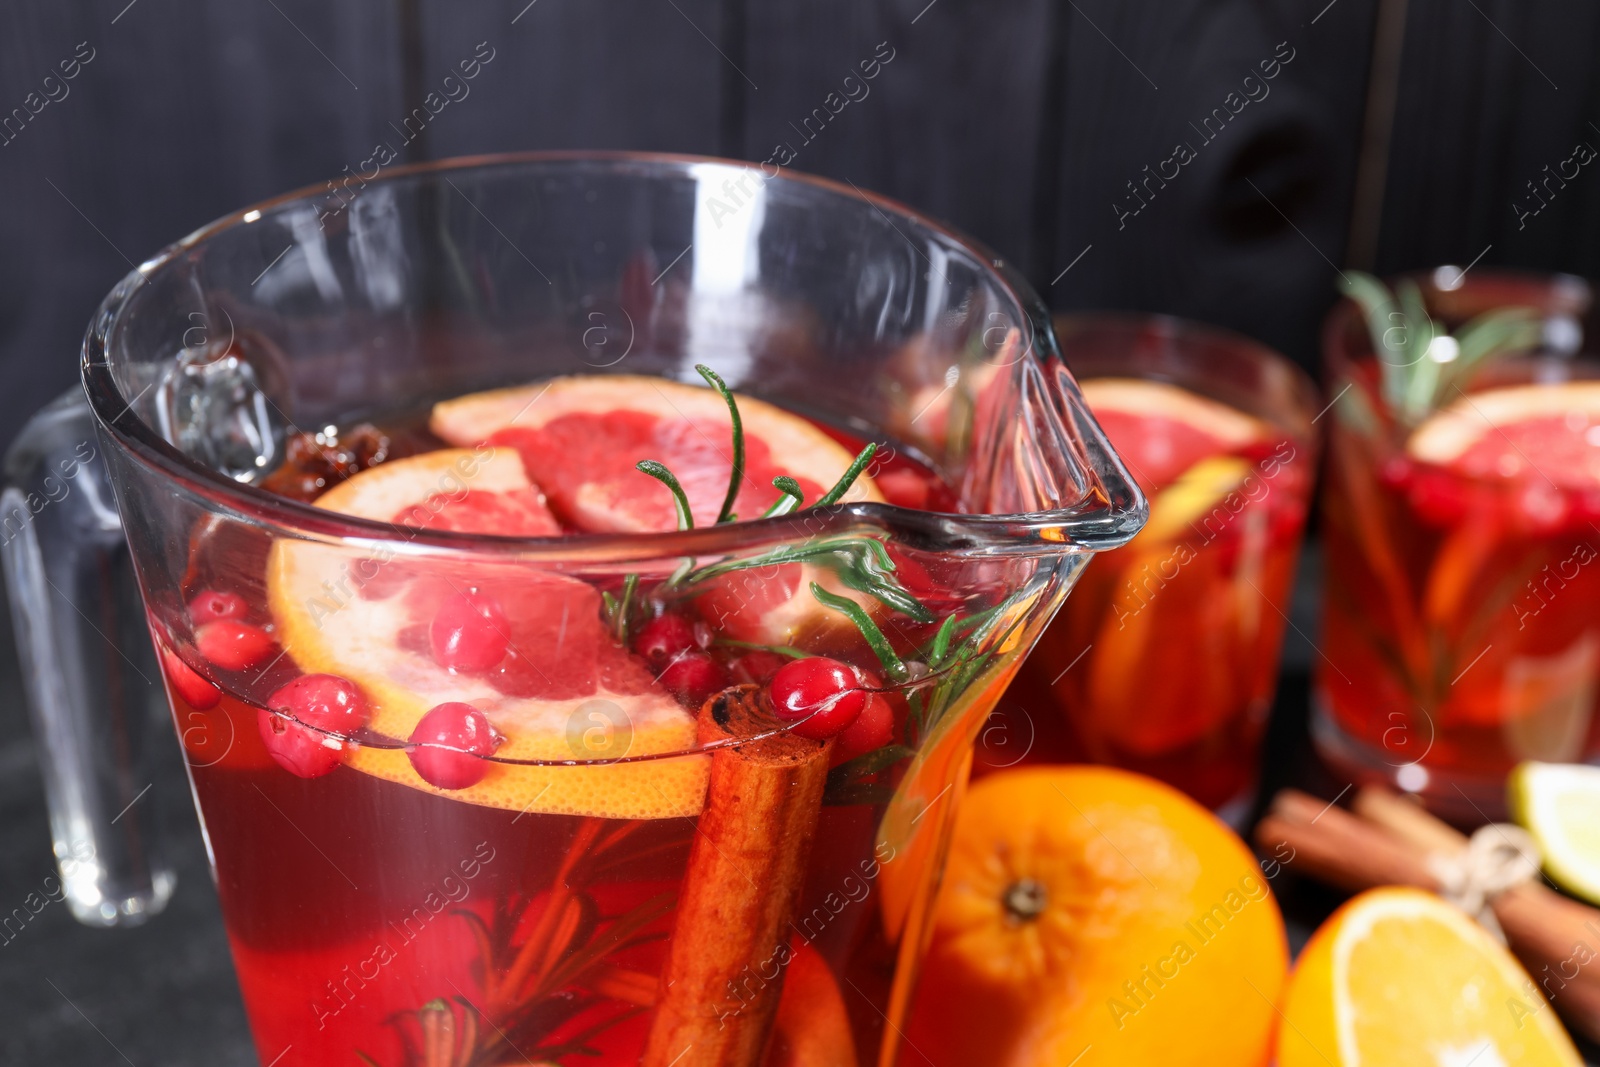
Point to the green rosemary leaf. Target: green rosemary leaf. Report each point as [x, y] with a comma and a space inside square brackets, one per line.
[1422, 370]
[659, 472]
[853, 793]
[781, 650]
[847, 479]
[736, 475]
[1413, 378]
[941, 642]
[869, 629]
[621, 621]
[1496, 332]
[862, 563]
[791, 499]
[866, 765]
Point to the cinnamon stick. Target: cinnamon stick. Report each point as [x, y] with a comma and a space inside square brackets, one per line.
[1339, 848]
[724, 974]
[1390, 842]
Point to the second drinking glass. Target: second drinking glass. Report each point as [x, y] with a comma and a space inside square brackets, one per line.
[1165, 660]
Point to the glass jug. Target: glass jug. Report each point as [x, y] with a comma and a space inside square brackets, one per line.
[574, 850]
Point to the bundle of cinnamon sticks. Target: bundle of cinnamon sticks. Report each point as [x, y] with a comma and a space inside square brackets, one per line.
[1386, 839]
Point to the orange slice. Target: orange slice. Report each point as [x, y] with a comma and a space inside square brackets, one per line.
[565, 691]
[1547, 431]
[1398, 976]
[580, 437]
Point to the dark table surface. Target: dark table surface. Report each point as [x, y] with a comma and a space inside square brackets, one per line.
[164, 993]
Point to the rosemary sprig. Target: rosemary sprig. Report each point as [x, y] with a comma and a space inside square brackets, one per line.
[792, 497]
[736, 475]
[618, 610]
[847, 479]
[857, 614]
[1419, 360]
[750, 646]
[660, 473]
[862, 564]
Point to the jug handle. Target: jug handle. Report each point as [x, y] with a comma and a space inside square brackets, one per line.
[93, 688]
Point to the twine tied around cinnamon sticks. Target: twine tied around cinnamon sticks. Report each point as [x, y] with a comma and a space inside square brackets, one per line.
[1498, 857]
[1386, 839]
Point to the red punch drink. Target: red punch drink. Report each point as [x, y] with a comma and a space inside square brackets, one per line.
[1165, 661]
[545, 700]
[1460, 628]
[461, 799]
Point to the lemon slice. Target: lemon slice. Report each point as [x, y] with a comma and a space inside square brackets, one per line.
[1197, 491]
[1559, 804]
[353, 611]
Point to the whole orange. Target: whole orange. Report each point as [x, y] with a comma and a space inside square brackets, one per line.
[1093, 916]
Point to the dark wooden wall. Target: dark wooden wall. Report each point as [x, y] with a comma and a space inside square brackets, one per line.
[1020, 122]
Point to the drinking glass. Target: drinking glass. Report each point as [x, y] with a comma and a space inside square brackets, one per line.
[631, 876]
[1166, 658]
[1460, 631]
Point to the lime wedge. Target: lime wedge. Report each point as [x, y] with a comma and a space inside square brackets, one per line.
[1559, 804]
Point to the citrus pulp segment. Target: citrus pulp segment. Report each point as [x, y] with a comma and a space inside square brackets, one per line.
[1559, 804]
[1398, 976]
[1548, 431]
[581, 436]
[565, 692]
[1161, 429]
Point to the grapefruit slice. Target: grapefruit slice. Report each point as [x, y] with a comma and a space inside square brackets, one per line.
[580, 437]
[1548, 431]
[1399, 976]
[1162, 430]
[564, 691]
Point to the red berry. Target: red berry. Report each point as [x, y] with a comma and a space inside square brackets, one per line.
[452, 745]
[873, 729]
[215, 604]
[187, 683]
[692, 677]
[469, 633]
[326, 709]
[757, 668]
[233, 645]
[664, 637]
[820, 695]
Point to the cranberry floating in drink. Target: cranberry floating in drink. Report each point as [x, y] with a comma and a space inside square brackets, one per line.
[544, 698]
